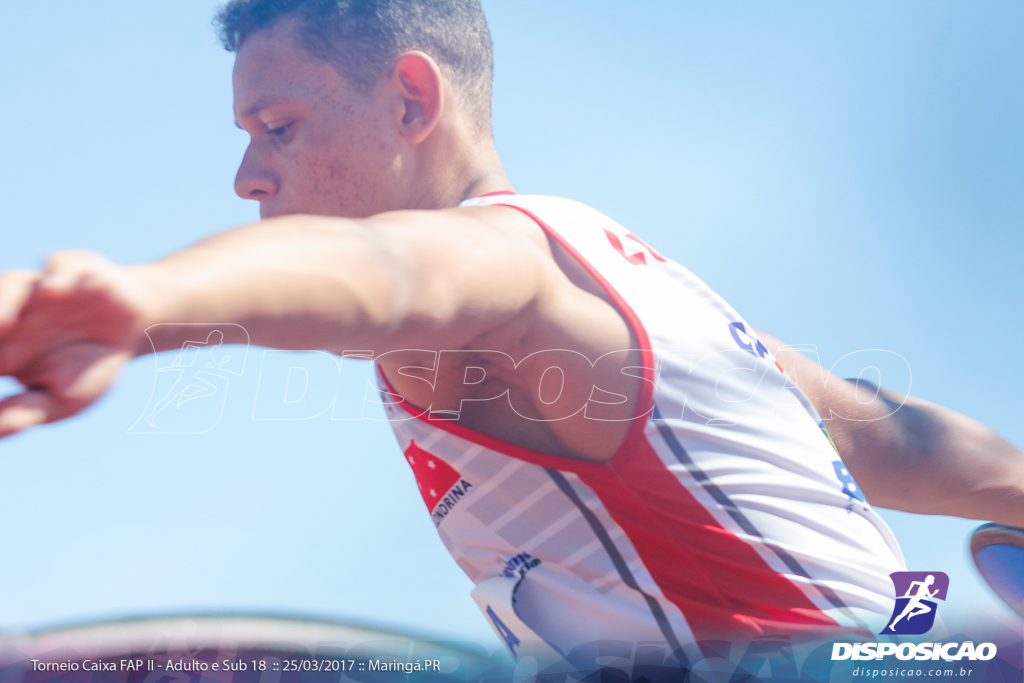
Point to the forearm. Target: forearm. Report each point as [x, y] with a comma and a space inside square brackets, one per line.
[299, 282]
[909, 454]
[937, 461]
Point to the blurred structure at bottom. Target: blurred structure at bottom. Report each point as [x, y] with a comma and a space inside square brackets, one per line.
[276, 649]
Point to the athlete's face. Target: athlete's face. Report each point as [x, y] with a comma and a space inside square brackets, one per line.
[317, 145]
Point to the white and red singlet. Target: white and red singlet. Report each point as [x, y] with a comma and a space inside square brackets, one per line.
[726, 513]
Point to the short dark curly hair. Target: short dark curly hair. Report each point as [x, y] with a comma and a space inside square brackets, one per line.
[363, 37]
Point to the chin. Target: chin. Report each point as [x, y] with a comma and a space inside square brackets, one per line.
[267, 212]
[325, 208]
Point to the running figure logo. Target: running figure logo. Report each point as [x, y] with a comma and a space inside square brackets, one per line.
[916, 592]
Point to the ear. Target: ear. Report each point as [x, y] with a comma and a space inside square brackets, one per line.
[417, 80]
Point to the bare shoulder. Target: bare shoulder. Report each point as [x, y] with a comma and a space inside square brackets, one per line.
[568, 321]
[494, 219]
[510, 220]
[499, 222]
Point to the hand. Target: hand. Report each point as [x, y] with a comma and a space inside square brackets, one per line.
[65, 333]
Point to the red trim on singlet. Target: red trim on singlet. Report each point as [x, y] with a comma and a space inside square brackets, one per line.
[719, 582]
[494, 194]
[645, 400]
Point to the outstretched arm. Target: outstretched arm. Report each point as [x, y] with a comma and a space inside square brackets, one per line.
[395, 280]
[911, 455]
[426, 279]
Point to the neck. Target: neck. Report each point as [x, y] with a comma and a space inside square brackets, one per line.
[486, 175]
[466, 171]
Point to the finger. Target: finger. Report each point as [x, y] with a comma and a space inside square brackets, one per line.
[66, 270]
[27, 409]
[16, 287]
[87, 380]
[74, 376]
[81, 376]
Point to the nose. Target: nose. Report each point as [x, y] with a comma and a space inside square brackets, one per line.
[254, 180]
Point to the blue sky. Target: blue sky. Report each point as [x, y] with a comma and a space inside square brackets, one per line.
[847, 175]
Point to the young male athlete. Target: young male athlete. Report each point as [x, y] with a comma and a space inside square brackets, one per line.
[605, 446]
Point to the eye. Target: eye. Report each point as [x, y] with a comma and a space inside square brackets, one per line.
[279, 131]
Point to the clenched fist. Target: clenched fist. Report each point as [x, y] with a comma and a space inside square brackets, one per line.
[65, 333]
